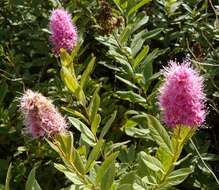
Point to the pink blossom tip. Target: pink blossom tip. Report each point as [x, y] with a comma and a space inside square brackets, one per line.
[181, 97]
[41, 117]
[63, 31]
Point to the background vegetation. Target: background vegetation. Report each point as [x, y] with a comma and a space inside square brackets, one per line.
[129, 42]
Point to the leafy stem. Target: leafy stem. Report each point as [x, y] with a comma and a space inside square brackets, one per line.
[180, 135]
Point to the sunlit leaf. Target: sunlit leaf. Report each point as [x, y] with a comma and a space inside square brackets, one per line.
[178, 176]
[137, 6]
[32, 183]
[8, 177]
[159, 134]
[105, 166]
[90, 138]
[94, 154]
[151, 162]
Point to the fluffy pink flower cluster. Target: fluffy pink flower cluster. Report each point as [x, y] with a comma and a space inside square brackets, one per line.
[181, 98]
[40, 115]
[64, 34]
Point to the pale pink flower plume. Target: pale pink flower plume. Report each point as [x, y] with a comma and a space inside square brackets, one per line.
[181, 97]
[63, 31]
[40, 115]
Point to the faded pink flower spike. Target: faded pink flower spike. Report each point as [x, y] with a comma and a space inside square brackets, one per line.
[181, 97]
[63, 32]
[40, 115]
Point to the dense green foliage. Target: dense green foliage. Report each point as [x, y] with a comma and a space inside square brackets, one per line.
[123, 46]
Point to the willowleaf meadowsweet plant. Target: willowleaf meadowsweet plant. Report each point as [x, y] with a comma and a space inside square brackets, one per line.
[124, 127]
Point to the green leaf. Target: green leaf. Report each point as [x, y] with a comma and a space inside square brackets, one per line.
[66, 141]
[107, 179]
[141, 20]
[108, 125]
[137, 6]
[3, 91]
[159, 134]
[148, 71]
[123, 38]
[70, 175]
[109, 66]
[137, 133]
[151, 162]
[31, 183]
[142, 54]
[69, 79]
[105, 165]
[178, 176]
[78, 163]
[87, 72]
[139, 39]
[53, 146]
[95, 124]
[76, 113]
[72, 84]
[152, 33]
[90, 138]
[66, 59]
[130, 96]
[129, 83]
[112, 147]
[76, 49]
[8, 178]
[139, 184]
[94, 155]
[150, 58]
[125, 187]
[128, 178]
[94, 105]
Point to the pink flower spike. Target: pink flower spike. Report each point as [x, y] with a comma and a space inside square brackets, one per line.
[40, 115]
[181, 97]
[63, 31]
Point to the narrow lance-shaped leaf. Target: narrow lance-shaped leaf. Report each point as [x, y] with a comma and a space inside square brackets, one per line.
[130, 96]
[178, 176]
[159, 134]
[108, 125]
[69, 174]
[87, 72]
[95, 124]
[76, 114]
[108, 178]
[8, 178]
[78, 163]
[66, 59]
[94, 154]
[105, 165]
[139, 23]
[141, 56]
[72, 84]
[94, 105]
[31, 183]
[66, 141]
[138, 6]
[90, 138]
[129, 83]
